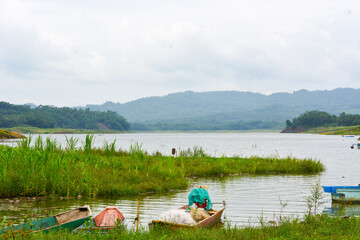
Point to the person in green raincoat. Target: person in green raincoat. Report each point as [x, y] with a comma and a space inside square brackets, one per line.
[201, 198]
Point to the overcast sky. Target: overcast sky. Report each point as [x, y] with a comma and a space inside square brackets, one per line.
[71, 53]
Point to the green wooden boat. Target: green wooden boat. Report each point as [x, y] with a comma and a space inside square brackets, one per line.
[68, 220]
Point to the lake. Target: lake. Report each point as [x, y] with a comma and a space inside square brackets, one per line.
[248, 198]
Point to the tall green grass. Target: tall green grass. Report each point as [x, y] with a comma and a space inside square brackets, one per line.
[44, 168]
[88, 143]
[71, 143]
[109, 148]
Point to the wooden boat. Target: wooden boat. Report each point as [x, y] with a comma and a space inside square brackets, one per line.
[215, 217]
[344, 194]
[109, 218]
[67, 220]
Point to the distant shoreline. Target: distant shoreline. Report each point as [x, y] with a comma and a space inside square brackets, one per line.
[347, 130]
[344, 130]
[5, 134]
[34, 130]
[339, 130]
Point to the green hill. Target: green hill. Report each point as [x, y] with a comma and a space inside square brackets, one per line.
[230, 110]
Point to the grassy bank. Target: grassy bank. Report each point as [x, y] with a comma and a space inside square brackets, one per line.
[45, 168]
[314, 227]
[349, 130]
[4, 134]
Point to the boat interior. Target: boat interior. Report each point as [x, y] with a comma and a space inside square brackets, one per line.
[72, 215]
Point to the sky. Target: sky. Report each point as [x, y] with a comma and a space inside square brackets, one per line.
[73, 53]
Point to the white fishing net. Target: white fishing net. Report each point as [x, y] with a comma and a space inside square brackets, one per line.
[177, 217]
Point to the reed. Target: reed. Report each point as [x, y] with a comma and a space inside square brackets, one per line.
[109, 148]
[71, 143]
[45, 169]
[39, 146]
[137, 150]
[89, 143]
[196, 151]
[315, 200]
[25, 142]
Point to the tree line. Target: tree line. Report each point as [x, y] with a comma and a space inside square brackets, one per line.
[54, 117]
[312, 119]
[205, 126]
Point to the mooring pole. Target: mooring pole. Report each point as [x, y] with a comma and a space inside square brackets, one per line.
[137, 215]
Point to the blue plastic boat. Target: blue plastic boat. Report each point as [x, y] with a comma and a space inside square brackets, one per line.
[344, 194]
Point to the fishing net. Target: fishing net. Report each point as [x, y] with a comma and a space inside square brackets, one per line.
[177, 217]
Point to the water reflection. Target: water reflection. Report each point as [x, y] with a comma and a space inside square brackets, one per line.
[344, 210]
[247, 198]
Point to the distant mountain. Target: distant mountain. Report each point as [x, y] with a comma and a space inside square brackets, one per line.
[223, 109]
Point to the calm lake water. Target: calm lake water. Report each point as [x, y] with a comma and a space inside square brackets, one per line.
[248, 198]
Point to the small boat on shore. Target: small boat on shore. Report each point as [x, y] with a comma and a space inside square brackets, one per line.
[111, 217]
[68, 220]
[344, 194]
[215, 217]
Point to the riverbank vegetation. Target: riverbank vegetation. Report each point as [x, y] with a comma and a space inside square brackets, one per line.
[350, 130]
[36, 130]
[44, 168]
[215, 124]
[4, 134]
[54, 117]
[342, 124]
[312, 227]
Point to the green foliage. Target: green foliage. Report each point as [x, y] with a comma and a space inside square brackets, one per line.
[206, 125]
[54, 117]
[88, 143]
[25, 142]
[46, 169]
[313, 119]
[71, 143]
[348, 119]
[196, 151]
[137, 150]
[109, 148]
[315, 200]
